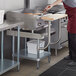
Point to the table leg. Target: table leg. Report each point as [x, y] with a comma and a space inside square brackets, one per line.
[2, 38]
[13, 47]
[49, 50]
[18, 47]
[26, 52]
[38, 57]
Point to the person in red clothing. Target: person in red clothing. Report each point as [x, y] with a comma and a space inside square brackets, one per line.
[70, 6]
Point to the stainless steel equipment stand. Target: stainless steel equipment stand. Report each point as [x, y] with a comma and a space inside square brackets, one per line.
[24, 52]
[5, 64]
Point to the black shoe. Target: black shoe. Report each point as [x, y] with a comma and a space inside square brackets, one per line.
[67, 58]
[73, 63]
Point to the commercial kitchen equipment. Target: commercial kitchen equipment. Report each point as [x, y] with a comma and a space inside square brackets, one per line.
[59, 9]
[6, 64]
[64, 38]
[31, 23]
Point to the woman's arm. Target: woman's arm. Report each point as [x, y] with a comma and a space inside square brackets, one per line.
[51, 5]
[56, 2]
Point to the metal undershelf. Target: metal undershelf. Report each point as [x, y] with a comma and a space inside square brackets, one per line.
[7, 65]
[33, 56]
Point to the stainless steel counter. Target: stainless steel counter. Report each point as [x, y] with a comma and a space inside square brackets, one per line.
[5, 64]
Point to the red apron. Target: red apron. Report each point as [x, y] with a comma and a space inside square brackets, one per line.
[71, 11]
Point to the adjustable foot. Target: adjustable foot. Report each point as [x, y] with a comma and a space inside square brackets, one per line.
[38, 64]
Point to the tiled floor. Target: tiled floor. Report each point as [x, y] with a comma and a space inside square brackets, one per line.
[28, 68]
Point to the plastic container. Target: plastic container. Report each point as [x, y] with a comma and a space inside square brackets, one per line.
[2, 16]
[32, 46]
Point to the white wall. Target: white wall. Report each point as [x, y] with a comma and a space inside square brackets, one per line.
[34, 3]
[11, 4]
[51, 1]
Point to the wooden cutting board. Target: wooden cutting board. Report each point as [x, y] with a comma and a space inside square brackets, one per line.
[53, 16]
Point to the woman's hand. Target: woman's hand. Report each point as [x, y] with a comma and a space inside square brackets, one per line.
[50, 6]
[47, 8]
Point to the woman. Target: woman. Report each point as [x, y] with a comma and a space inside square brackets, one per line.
[70, 6]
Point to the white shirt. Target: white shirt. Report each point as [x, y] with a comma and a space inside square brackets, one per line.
[71, 3]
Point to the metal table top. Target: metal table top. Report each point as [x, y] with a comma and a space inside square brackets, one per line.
[6, 25]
